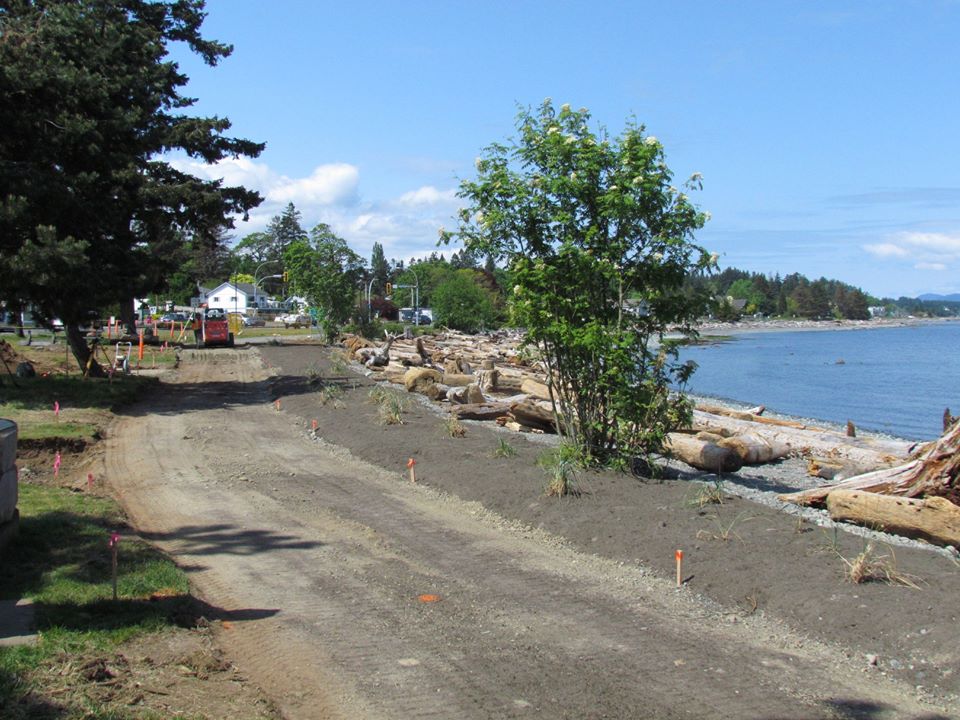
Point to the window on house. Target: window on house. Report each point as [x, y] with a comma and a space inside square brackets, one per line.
[216, 298]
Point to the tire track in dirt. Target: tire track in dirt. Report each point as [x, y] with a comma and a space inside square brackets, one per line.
[328, 556]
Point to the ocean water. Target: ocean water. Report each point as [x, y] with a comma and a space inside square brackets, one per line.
[891, 380]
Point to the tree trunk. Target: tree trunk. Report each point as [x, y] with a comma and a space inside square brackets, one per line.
[935, 519]
[81, 351]
[128, 316]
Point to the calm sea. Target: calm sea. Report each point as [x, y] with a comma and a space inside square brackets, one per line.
[890, 380]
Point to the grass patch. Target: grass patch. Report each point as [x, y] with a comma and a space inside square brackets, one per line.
[391, 406]
[72, 391]
[725, 530]
[281, 331]
[561, 465]
[69, 430]
[62, 562]
[504, 449]
[869, 566]
[710, 493]
[454, 428]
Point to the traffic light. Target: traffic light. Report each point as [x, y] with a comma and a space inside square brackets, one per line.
[284, 275]
[389, 289]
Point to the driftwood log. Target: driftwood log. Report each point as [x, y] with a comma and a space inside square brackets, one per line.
[863, 452]
[377, 357]
[935, 519]
[480, 411]
[703, 454]
[756, 450]
[933, 471]
[529, 414]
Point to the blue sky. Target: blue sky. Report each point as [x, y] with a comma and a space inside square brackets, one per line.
[827, 132]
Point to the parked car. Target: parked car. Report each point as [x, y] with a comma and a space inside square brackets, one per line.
[249, 321]
[171, 318]
[295, 320]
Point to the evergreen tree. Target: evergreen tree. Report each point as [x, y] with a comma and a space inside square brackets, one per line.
[90, 214]
[379, 268]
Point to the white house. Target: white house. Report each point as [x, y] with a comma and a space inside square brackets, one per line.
[236, 297]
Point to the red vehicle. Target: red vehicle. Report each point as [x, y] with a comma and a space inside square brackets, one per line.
[211, 327]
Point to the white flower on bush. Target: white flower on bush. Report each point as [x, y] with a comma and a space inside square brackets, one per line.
[651, 140]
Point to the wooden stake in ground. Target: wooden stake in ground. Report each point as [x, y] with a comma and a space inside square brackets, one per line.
[114, 548]
[413, 475]
[679, 557]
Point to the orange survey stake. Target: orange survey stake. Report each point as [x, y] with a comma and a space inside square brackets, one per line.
[679, 556]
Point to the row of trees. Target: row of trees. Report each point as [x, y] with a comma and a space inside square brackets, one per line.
[790, 296]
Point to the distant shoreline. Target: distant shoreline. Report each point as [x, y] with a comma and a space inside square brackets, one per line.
[779, 325]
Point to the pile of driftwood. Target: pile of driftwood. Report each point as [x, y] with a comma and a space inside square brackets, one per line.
[918, 498]
[891, 484]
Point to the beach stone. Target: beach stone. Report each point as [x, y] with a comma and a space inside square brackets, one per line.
[26, 370]
[418, 379]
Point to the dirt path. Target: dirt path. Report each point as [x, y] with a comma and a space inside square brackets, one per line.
[318, 561]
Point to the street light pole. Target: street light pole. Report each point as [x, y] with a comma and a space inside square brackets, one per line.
[416, 302]
[370, 300]
[257, 272]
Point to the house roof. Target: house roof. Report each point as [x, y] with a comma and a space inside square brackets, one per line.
[245, 288]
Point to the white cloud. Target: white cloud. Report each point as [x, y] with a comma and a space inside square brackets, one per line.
[937, 242]
[886, 250]
[334, 184]
[406, 225]
[427, 195]
[923, 250]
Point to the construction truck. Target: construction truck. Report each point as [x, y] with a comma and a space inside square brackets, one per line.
[211, 327]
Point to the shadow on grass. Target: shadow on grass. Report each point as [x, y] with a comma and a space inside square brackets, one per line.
[17, 702]
[149, 612]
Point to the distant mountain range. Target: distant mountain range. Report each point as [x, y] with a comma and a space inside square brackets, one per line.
[954, 297]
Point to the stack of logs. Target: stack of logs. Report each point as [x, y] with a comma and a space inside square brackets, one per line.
[489, 378]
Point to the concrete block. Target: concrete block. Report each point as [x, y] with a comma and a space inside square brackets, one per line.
[8, 444]
[8, 495]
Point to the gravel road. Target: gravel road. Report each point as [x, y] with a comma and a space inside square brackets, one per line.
[351, 593]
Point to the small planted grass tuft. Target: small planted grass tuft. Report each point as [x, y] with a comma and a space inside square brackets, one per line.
[504, 449]
[869, 566]
[561, 464]
[454, 428]
[391, 405]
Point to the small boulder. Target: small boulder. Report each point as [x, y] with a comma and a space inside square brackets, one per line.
[26, 370]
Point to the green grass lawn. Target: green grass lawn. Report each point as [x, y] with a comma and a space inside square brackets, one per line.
[61, 560]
